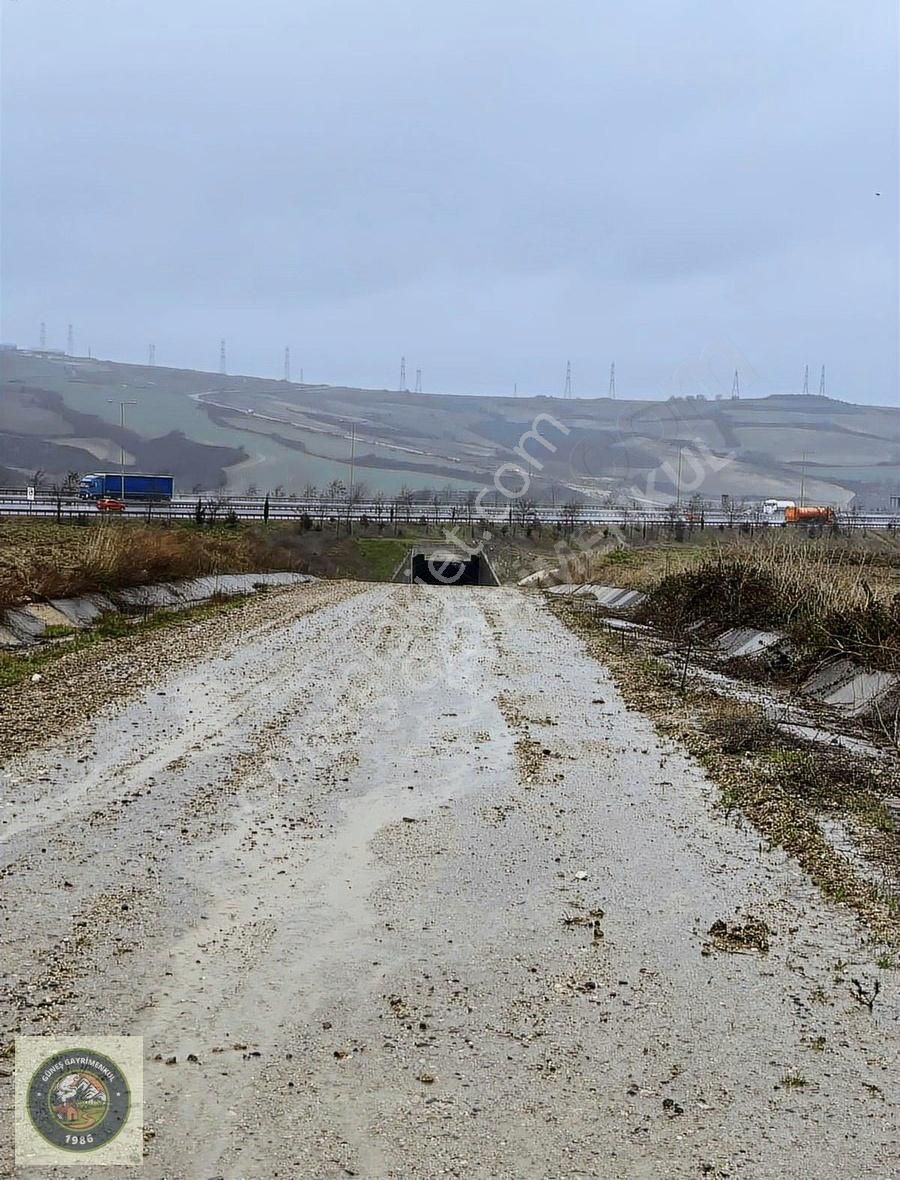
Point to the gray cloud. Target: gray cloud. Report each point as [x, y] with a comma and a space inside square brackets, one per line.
[489, 188]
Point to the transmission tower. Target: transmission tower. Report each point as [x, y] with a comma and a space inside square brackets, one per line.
[806, 381]
[612, 381]
[70, 341]
[402, 373]
[418, 380]
[287, 364]
[43, 336]
[736, 385]
[151, 355]
[567, 392]
[822, 383]
[223, 364]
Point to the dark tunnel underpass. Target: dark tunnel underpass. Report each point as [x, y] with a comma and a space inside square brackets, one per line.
[451, 569]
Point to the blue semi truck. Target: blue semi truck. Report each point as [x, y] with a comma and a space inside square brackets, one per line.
[126, 487]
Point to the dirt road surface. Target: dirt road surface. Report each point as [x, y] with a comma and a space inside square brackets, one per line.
[394, 886]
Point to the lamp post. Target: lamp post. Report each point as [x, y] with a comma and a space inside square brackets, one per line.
[122, 406]
[678, 479]
[803, 480]
[352, 470]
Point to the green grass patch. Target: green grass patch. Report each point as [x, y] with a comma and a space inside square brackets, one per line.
[59, 631]
[382, 555]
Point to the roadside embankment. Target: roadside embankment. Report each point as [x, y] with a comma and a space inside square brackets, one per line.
[820, 618]
[821, 629]
[835, 809]
[49, 688]
[818, 566]
[40, 560]
[778, 665]
[824, 606]
[57, 618]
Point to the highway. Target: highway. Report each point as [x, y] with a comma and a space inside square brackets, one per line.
[218, 506]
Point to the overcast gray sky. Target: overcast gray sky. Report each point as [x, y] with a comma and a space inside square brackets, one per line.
[488, 186]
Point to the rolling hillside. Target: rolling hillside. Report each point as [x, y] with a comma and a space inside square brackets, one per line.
[61, 414]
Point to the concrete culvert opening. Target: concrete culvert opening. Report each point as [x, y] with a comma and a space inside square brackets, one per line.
[442, 567]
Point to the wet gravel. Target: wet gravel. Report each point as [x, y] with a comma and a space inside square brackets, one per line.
[394, 885]
[74, 688]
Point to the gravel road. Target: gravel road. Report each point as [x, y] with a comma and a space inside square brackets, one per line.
[394, 886]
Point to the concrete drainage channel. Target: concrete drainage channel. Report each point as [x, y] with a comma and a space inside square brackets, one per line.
[611, 598]
[850, 690]
[28, 625]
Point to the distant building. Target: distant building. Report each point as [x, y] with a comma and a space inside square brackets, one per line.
[8, 348]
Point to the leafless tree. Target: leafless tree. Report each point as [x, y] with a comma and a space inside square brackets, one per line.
[525, 512]
[436, 505]
[216, 506]
[337, 494]
[569, 515]
[406, 499]
[469, 501]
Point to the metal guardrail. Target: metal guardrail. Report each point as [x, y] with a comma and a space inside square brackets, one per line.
[391, 512]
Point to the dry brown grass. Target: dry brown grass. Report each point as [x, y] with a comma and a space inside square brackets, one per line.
[839, 570]
[833, 595]
[39, 561]
[827, 608]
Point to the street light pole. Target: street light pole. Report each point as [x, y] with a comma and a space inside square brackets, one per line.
[122, 406]
[678, 480]
[352, 469]
[803, 480]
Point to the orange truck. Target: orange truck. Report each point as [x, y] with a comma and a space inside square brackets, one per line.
[808, 515]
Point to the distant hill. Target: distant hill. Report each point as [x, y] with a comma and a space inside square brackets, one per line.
[237, 434]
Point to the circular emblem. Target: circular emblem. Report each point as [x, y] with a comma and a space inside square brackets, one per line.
[78, 1100]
